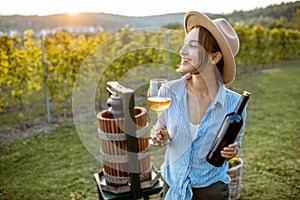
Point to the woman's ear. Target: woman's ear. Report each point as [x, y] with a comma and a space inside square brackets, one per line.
[216, 57]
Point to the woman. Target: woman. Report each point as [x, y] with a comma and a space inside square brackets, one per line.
[199, 104]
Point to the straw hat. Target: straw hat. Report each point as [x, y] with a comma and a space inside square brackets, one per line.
[224, 35]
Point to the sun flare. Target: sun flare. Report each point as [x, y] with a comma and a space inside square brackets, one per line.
[73, 9]
[73, 12]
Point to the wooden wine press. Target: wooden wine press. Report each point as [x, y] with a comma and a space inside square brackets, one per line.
[123, 132]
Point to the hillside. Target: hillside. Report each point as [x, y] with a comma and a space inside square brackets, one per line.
[268, 15]
[106, 21]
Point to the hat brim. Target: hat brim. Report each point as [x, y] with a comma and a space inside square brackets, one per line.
[195, 18]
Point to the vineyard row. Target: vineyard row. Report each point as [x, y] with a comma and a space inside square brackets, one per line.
[25, 68]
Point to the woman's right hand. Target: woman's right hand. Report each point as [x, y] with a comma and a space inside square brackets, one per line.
[160, 136]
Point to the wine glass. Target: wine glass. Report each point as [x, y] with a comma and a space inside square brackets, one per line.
[159, 100]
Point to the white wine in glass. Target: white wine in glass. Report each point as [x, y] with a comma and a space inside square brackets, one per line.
[159, 99]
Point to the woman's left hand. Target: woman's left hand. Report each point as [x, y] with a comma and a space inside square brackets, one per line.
[230, 151]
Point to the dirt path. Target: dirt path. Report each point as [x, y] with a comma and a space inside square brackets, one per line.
[14, 132]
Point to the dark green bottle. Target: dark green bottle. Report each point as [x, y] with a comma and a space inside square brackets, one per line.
[228, 132]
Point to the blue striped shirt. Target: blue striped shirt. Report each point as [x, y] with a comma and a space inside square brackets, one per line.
[185, 164]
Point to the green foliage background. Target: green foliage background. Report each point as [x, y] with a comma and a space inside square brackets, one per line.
[21, 62]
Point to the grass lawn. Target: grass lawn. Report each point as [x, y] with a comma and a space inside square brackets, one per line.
[271, 142]
[55, 165]
[51, 165]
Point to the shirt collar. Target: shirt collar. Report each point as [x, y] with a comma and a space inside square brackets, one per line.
[221, 95]
[181, 89]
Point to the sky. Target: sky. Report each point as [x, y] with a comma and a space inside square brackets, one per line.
[129, 7]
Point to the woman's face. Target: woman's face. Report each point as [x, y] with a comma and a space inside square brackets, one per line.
[191, 53]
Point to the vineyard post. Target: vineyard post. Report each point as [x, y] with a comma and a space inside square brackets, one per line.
[45, 79]
[168, 32]
[2, 103]
[23, 112]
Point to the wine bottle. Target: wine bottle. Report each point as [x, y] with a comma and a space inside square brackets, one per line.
[228, 132]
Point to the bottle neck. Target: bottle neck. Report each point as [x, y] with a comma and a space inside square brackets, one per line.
[241, 105]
